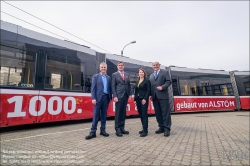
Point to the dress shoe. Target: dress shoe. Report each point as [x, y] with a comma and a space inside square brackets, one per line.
[91, 135]
[159, 131]
[118, 133]
[166, 133]
[146, 131]
[104, 133]
[143, 134]
[124, 131]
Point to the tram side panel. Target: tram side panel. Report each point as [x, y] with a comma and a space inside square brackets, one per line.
[195, 90]
[194, 103]
[60, 106]
[17, 107]
[245, 102]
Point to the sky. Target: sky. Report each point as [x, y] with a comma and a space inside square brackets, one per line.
[193, 34]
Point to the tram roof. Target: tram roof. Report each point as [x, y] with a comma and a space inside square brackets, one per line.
[243, 73]
[45, 38]
[130, 60]
[192, 70]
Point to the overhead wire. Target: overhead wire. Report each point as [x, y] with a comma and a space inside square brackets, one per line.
[55, 26]
[33, 25]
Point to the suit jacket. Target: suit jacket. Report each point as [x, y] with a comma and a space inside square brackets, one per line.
[120, 87]
[97, 87]
[163, 79]
[143, 90]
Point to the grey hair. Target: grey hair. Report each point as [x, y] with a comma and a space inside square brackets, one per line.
[156, 62]
[103, 63]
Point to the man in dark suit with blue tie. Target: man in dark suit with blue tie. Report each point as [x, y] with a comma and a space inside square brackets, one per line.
[101, 94]
[121, 92]
[160, 81]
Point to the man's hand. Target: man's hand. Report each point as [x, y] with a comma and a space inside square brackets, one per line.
[115, 99]
[94, 102]
[159, 87]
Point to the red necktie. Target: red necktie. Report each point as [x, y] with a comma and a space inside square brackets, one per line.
[122, 75]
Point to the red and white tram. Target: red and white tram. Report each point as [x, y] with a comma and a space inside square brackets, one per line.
[45, 79]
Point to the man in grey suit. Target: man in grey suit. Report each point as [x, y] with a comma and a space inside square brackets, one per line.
[160, 81]
[121, 92]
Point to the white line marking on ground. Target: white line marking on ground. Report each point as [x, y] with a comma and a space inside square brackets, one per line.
[61, 132]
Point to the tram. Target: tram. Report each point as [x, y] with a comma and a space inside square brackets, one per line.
[45, 79]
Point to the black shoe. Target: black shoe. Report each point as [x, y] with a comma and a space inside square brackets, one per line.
[91, 135]
[166, 133]
[159, 131]
[104, 133]
[146, 131]
[118, 133]
[143, 134]
[124, 131]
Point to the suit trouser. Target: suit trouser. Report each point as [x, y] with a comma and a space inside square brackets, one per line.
[120, 112]
[143, 113]
[162, 113]
[100, 108]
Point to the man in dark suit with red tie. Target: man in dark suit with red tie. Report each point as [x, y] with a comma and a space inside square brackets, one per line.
[101, 94]
[121, 92]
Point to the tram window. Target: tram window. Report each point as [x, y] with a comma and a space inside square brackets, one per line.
[217, 90]
[230, 89]
[221, 88]
[175, 87]
[88, 84]
[56, 80]
[204, 87]
[247, 87]
[224, 90]
[17, 68]
[63, 74]
[188, 87]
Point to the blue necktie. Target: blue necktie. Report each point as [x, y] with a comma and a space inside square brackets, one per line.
[155, 74]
